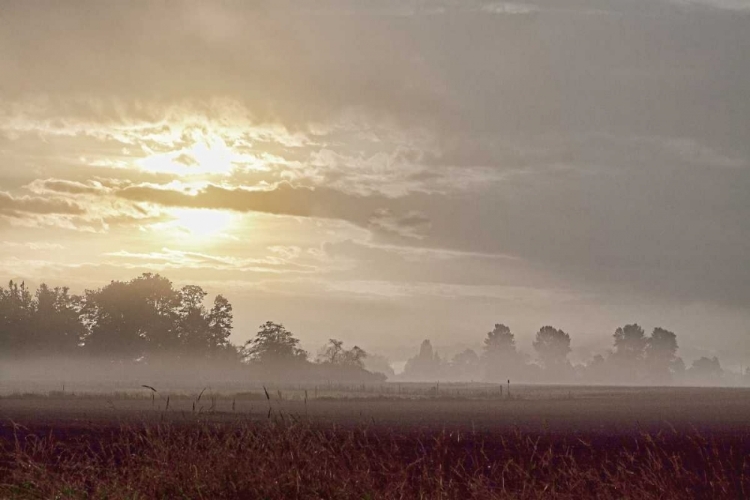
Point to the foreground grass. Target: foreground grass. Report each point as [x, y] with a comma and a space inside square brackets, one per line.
[288, 458]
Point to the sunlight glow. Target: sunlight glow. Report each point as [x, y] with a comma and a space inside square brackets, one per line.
[208, 155]
[201, 224]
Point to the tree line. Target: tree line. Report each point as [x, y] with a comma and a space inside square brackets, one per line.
[146, 321]
[633, 358]
[123, 320]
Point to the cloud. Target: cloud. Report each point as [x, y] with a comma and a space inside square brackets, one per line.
[79, 206]
[401, 290]
[22, 206]
[731, 5]
[67, 187]
[409, 225]
[178, 259]
[507, 8]
[365, 211]
[32, 245]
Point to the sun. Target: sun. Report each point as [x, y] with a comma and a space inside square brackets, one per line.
[212, 156]
[207, 156]
[201, 223]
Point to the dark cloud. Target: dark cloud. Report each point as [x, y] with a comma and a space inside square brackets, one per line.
[365, 211]
[284, 200]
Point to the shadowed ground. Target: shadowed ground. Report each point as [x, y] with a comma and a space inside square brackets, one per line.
[601, 410]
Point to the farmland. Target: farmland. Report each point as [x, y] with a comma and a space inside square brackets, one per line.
[455, 443]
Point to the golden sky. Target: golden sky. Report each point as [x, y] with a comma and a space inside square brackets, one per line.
[385, 172]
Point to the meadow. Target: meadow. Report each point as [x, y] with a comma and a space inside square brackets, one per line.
[413, 442]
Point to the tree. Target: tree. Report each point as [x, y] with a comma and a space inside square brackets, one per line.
[57, 324]
[466, 359]
[331, 352]
[16, 320]
[129, 320]
[706, 370]
[193, 322]
[660, 354]
[499, 342]
[677, 368]
[426, 365]
[630, 343]
[500, 357]
[354, 357]
[273, 344]
[465, 364]
[113, 321]
[220, 324]
[596, 369]
[334, 353]
[376, 363]
[134, 320]
[553, 346]
[159, 305]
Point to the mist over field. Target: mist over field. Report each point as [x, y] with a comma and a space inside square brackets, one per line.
[145, 332]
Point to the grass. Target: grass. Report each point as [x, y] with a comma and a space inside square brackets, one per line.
[390, 390]
[289, 457]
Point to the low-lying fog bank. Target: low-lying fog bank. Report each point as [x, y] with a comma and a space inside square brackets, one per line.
[60, 375]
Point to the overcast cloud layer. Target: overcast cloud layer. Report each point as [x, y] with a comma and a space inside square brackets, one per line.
[385, 172]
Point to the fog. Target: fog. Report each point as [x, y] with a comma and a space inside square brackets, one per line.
[145, 332]
[65, 376]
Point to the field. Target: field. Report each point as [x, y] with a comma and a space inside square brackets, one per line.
[413, 442]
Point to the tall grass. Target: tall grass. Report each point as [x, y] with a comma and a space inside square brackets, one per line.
[287, 457]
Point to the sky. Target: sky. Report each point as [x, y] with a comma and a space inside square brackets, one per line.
[388, 171]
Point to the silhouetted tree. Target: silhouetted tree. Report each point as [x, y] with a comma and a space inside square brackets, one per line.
[706, 370]
[201, 331]
[220, 322]
[16, 320]
[193, 320]
[57, 325]
[113, 319]
[500, 357]
[500, 341]
[465, 365]
[376, 363]
[139, 319]
[354, 357]
[128, 320]
[630, 343]
[147, 317]
[660, 354]
[334, 353]
[677, 367]
[427, 365]
[331, 352]
[553, 346]
[596, 370]
[273, 344]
